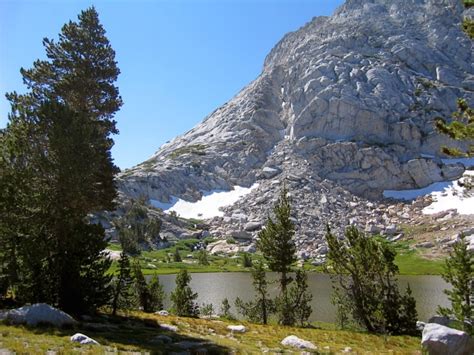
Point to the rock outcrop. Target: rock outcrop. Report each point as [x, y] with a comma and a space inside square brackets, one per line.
[343, 109]
[439, 340]
[38, 313]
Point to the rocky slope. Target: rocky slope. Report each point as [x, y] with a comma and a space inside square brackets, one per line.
[342, 110]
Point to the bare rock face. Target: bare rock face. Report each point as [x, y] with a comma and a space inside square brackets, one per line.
[343, 109]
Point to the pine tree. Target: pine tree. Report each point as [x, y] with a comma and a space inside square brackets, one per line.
[461, 128]
[177, 256]
[122, 292]
[262, 306]
[141, 288]
[246, 260]
[157, 294]
[202, 257]
[183, 298]
[56, 150]
[459, 272]
[225, 310]
[301, 298]
[363, 272]
[276, 243]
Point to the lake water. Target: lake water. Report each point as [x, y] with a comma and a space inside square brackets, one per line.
[214, 287]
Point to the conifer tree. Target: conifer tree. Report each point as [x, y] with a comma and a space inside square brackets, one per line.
[301, 298]
[459, 272]
[363, 272]
[141, 288]
[122, 291]
[177, 256]
[202, 257]
[157, 294]
[225, 310]
[260, 309]
[183, 298]
[276, 243]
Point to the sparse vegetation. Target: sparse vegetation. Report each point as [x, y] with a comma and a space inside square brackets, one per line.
[196, 149]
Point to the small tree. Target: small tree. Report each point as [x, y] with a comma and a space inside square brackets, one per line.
[183, 297]
[276, 243]
[459, 272]
[177, 256]
[141, 288]
[206, 310]
[262, 307]
[225, 310]
[122, 292]
[246, 260]
[364, 272]
[202, 257]
[157, 294]
[301, 298]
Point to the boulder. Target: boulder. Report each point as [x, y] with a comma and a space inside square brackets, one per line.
[37, 314]
[163, 313]
[441, 340]
[294, 341]
[171, 328]
[270, 173]
[237, 328]
[83, 339]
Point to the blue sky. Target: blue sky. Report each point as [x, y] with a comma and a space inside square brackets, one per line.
[180, 59]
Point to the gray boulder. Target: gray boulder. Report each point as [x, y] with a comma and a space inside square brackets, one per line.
[294, 341]
[441, 340]
[37, 314]
[83, 339]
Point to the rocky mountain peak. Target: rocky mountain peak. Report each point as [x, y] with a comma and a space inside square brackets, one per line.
[344, 106]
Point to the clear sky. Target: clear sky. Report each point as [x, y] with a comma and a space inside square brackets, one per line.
[180, 59]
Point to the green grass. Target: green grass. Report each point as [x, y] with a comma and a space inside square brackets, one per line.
[409, 261]
[135, 332]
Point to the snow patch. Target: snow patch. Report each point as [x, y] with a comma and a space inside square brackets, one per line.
[208, 206]
[446, 195]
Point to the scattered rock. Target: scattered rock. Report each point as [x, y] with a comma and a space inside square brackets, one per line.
[294, 341]
[83, 339]
[237, 328]
[37, 314]
[441, 340]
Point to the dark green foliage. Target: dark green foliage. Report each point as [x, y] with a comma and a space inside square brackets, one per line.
[122, 290]
[363, 272]
[246, 260]
[50, 158]
[183, 298]
[56, 168]
[80, 72]
[157, 294]
[206, 310]
[461, 128]
[177, 256]
[225, 310]
[300, 298]
[202, 257]
[459, 272]
[141, 287]
[262, 306]
[276, 243]
[136, 228]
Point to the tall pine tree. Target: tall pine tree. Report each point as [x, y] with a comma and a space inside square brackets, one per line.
[56, 169]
